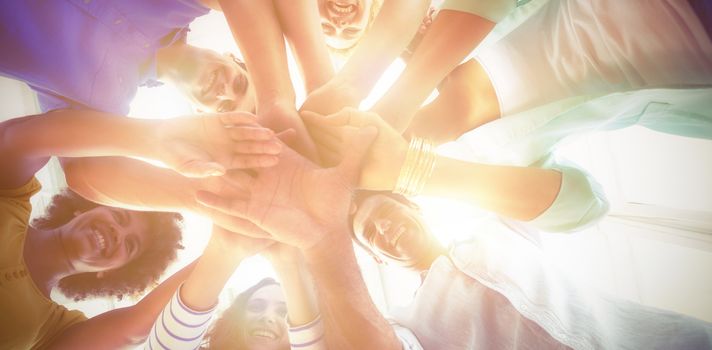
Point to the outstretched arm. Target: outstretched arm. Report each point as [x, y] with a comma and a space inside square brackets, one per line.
[351, 319]
[450, 38]
[257, 31]
[122, 327]
[521, 193]
[132, 184]
[297, 284]
[391, 31]
[184, 321]
[299, 20]
[194, 146]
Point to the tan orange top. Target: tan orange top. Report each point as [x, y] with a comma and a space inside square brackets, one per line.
[28, 320]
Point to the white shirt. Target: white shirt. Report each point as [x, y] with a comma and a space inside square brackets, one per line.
[499, 291]
[595, 47]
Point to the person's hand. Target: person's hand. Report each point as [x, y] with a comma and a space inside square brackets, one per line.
[331, 98]
[235, 245]
[383, 162]
[280, 254]
[280, 117]
[296, 202]
[208, 145]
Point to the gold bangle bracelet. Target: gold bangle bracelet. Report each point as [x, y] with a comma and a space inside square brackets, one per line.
[417, 167]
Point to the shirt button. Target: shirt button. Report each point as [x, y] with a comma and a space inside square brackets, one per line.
[87, 1]
[146, 45]
[118, 21]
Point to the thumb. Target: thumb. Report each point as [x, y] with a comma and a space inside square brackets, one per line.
[356, 148]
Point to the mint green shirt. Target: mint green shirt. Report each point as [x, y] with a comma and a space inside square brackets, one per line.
[493, 10]
[530, 138]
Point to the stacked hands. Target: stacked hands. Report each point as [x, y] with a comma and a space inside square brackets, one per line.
[209, 145]
[253, 183]
[295, 201]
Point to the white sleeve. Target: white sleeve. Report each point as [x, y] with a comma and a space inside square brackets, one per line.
[308, 337]
[178, 326]
[406, 337]
[580, 202]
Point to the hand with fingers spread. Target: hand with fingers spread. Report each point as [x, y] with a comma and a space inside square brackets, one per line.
[297, 202]
[200, 146]
[387, 153]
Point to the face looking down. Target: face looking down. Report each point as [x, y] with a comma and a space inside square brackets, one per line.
[344, 21]
[266, 319]
[104, 238]
[217, 83]
[392, 231]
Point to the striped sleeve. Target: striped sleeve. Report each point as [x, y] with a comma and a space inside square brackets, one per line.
[308, 337]
[178, 326]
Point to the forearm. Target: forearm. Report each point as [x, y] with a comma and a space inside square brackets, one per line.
[452, 36]
[521, 193]
[299, 292]
[300, 22]
[351, 320]
[129, 183]
[394, 27]
[256, 29]
[123, 327]
[213, 269]
[80, 133]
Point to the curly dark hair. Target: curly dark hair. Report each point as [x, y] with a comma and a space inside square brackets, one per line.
[131, 279]
[226, 332]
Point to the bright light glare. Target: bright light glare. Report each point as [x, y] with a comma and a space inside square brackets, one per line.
[451, 220]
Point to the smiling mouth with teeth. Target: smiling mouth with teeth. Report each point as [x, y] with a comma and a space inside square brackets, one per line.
[99, 240]
[399, 233]
[264, 333]
[341, 9]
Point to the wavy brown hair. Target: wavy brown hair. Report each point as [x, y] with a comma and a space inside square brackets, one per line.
[131, 279]
[226, 332]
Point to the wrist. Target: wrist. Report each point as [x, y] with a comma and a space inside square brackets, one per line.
[276, 102]
[355, 84]
[417, 167]
[230, 254]
[332, 245]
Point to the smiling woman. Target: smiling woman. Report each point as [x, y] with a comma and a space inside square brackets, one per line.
[255, 320]
[345, 21]
[136, 246]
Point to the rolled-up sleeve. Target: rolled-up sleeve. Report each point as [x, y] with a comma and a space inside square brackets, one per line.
[580, 202]
[493, 10]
